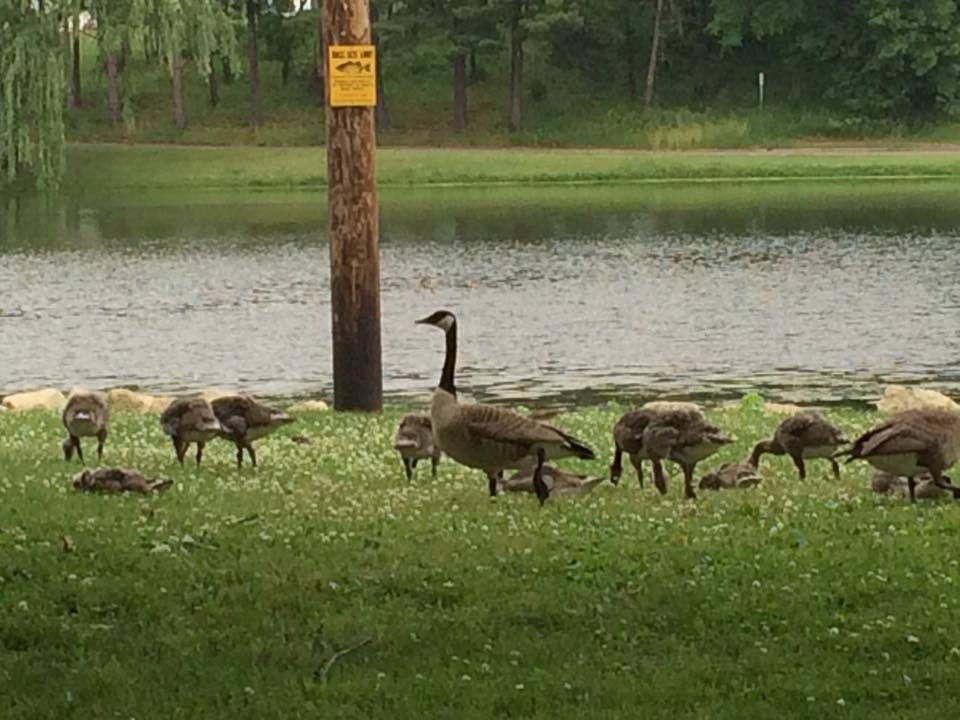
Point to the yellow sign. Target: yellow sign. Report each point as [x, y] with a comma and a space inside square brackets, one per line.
[352, 73]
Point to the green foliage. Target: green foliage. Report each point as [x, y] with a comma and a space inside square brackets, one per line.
[229, 595]
[32, 93]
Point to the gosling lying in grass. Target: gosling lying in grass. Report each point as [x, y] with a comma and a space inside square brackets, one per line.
[731, 476]
[557, 481]
[886, 483]
[117, 480]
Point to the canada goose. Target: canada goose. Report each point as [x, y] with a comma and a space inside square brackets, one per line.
[803, 436]
[190, 420]
[911, 443]
[244, 420]
[85, 415]
[628, 437]
[414, 441]
[117, 480]
[556, 480]
[731, 476]
[490, 438]
[684, 437]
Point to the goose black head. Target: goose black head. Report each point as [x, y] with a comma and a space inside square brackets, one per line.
[443, 319]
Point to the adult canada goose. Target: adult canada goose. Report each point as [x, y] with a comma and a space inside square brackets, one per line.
[117, 480]
[911, 443]
[244, 420]
[414, 441]
[686, 438]
[884, 483]
[804, 436]
[490, 438]
[190, 420]
[558, 482]
[85, 415]
[731, 476]
[628, 437]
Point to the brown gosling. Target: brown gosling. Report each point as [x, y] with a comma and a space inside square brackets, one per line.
[414, 441]
[804, 436]
[190, 420]
[884, 483]
[558, 481]
[731, 476]
[244, 420]
[910, 444]
[491, 438]
[684, 437]
[117, 480]
[628, 438]
[86, 414]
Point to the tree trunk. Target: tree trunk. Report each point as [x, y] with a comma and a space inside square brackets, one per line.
[253, 64]
[516, 67]
[630, 43]
[113, 88]
[383, 118]
[380, 112]
[179, 110]
[654, 54]
[213, 82]
[459, 63]
[227, 71]
[76, 92]
[354, 230]
[474, 70]
[285, 66]
[125, 54]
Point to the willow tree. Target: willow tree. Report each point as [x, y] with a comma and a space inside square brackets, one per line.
[119, 23]
[32, 91]
[188, 30]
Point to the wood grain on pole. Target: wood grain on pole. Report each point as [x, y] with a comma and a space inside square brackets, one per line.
[354, 230]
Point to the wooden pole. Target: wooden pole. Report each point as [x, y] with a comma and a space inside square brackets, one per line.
[354, 228]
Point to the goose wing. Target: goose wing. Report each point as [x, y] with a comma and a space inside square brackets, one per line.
[253, 413]
[505, 426]
[893, 438]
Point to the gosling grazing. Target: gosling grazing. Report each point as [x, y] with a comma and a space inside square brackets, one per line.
[414, 441]
[684, 437]
[910, 444]
[558, 482]
[85, 415]
[628, 438]
[803, 436]
[731, 476]
[244, 420]
[190, 420]
[490, 438]
[117, 480]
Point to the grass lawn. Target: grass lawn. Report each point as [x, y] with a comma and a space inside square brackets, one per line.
[106, 168]
[228, 595]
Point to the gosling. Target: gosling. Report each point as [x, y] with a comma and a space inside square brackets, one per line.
[86, 414]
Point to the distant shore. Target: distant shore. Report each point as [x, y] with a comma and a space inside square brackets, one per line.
[112, 167]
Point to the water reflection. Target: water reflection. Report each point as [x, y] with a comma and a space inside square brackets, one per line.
[804, 292]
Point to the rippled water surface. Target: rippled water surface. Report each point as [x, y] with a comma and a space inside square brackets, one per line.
[818, 292]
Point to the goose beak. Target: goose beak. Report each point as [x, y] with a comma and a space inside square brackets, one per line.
[423, 321]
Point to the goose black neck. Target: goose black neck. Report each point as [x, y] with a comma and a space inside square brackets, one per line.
[764, 447]
[450, 361]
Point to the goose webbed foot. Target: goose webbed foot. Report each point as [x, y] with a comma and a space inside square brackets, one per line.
[616, 468]
[407, 468]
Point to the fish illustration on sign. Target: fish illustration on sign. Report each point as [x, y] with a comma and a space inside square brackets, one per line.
[353, 66]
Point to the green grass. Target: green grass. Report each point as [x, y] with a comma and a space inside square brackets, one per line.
[226, 596]
[107, 168]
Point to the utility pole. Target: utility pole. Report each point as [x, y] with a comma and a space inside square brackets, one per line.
[352, 216]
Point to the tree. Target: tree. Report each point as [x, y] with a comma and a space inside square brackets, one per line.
[185, 30]
[454, 28]
[32, 92]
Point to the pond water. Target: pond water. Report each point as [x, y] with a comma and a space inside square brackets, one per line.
[818, 292]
